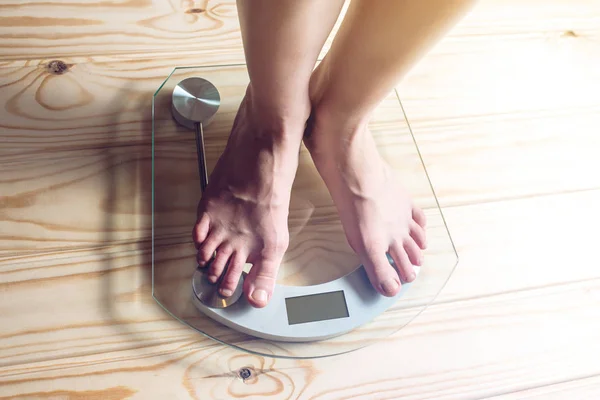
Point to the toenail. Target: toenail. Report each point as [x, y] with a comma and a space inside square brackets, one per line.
[212, 278]
[260, 296]
[411, 276]
[389, 286]
[226, 292]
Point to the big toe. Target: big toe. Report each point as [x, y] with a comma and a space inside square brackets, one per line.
[260, 283]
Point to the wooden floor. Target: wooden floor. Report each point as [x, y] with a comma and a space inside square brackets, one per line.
[506, 112]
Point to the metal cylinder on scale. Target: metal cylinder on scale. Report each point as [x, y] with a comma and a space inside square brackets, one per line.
[195, 102]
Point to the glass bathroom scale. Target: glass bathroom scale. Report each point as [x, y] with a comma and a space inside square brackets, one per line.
[323, 303]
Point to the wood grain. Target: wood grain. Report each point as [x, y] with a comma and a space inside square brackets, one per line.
[94, 107]
[523, 115]
[85, 108]
[583, 389]
[530, 242]
[210, 28]
[109, 27]
[453, 351]
[74, 200]
[504, 110]
[505, 325]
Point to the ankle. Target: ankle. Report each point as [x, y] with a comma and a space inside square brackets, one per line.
[277, 111]
[331, 122]
[330, 127]
[269, 124]
[331, 103]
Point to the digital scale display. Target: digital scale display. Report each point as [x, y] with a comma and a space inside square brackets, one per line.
[316, 307]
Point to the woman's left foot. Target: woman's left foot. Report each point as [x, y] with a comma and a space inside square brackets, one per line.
[377, 214]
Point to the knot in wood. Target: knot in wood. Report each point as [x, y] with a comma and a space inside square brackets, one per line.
[57, 67]
[245, 373]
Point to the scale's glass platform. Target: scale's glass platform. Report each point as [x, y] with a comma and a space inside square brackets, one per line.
[318, 251]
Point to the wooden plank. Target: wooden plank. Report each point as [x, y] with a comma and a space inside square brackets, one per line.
[69, 199]
[209, 27]
[89, 106]
[38, 29]
[474, 348]
[535, 242]
[104, 305]
[506, 120]
[581, 389]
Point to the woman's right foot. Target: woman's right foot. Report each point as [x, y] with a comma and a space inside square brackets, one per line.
[243, 212]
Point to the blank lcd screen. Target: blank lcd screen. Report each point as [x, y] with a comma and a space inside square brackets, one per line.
[316, 307]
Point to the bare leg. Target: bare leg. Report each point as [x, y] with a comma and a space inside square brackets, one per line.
[378, 42]
[243, 213]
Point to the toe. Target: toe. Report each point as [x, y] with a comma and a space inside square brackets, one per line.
[419, 217]
[208, 247]
[413, 251]
[218, 265]
[201, 230]
[417, 233]
[402, 261]
[260, 282]
[381, 273]
[234, 271]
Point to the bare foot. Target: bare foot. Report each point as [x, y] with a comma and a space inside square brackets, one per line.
[377, 214]
[243, 213]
